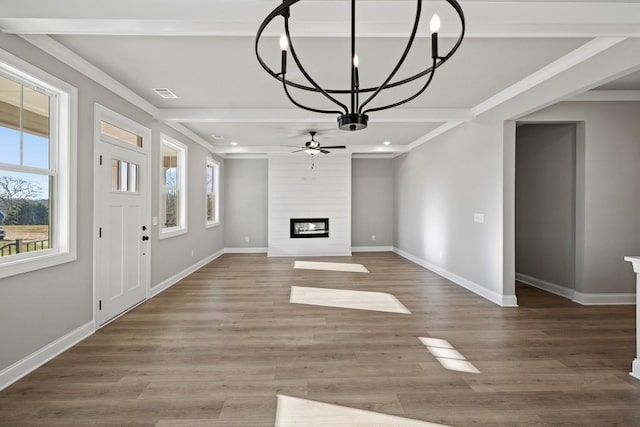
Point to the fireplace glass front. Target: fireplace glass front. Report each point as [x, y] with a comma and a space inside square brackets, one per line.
[308, 227]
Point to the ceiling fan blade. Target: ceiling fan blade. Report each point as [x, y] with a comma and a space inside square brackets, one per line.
[297, 151]
[324, 151]
[292, 146]
[335, 146]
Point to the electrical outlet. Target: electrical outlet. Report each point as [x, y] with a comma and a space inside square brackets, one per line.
[478, 217]
[154, 220]
[193, 252]
[373, 237]
[246, 239]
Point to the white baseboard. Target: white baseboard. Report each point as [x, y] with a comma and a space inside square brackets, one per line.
[546, 286]
[316, 254]
[167, 283]
[501, 300]
[575, 296]
[33, 361]
[635, 369]
[604, 299]
[245, 250]
[372, 249]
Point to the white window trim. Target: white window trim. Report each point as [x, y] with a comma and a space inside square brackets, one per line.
[64, 157]
[165, 233]
[216, 192]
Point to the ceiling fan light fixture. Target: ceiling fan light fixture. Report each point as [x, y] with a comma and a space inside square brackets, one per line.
[353, 115]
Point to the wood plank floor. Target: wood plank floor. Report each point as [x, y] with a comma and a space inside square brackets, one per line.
[216, 349]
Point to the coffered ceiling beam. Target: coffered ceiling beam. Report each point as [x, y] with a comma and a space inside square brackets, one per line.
[295, 115]
[232, 18]
[607, 95]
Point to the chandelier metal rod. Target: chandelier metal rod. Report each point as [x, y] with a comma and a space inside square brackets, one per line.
[304, 107]
[412, 97]
[303, 71]
[414, 30]
[353, 56]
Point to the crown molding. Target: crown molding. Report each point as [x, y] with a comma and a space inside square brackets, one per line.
[317, 18]
[296, 115]
[607, 95]
[75, 61]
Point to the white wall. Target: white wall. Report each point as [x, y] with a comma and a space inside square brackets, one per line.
[298, 191]
[372, 203]
[246, 207]
[610, 204]
[439, 187]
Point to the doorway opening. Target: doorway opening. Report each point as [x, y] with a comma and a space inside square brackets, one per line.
[546, 219]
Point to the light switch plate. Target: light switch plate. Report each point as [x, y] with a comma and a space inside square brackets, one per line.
[478, 217]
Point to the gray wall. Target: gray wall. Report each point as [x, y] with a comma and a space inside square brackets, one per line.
[545, 202]
[246, 183]
[372, 199]
[439, 186]
[39, 307]
[173, 255]
[609, 202]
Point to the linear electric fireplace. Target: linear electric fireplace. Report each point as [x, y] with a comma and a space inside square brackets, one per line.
[304, 228]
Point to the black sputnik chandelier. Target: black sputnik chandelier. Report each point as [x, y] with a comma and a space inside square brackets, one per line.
[356, 116]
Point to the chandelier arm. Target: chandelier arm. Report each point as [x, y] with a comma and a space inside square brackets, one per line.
[282, 8]
[304, 107]
[412, 97]
[304, 72]
[412, 37]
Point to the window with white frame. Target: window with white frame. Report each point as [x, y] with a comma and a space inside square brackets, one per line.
[37, 163]
[173, 187]
[212, 201]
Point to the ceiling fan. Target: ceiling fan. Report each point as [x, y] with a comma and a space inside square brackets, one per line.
[313, 147]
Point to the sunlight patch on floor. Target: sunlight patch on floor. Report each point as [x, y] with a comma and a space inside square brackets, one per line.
[296, 412]
[340, 298]
[448, 356]
[331, 266]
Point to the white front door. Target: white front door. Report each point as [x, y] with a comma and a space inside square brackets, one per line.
[123, 232]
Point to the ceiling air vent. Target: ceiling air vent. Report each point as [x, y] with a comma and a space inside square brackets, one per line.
[164, 92]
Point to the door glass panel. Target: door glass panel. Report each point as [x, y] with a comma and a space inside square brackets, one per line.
[124, 176]
[133, 178]
[120, 134]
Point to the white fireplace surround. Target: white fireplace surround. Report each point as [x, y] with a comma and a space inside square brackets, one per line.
[298, 191]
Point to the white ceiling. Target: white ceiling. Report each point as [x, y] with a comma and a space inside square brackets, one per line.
[204, 52]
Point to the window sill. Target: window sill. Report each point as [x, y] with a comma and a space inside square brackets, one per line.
[34, 263]
[212, 224]
[172, 232]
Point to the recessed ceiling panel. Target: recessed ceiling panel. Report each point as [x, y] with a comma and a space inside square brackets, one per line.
[296, 134]
[223, 72]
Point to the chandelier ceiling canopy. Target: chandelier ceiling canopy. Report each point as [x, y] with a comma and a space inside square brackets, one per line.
[355, 116]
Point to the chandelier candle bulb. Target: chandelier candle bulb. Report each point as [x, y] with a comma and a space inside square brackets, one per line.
[284, 43]
[434, 26]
